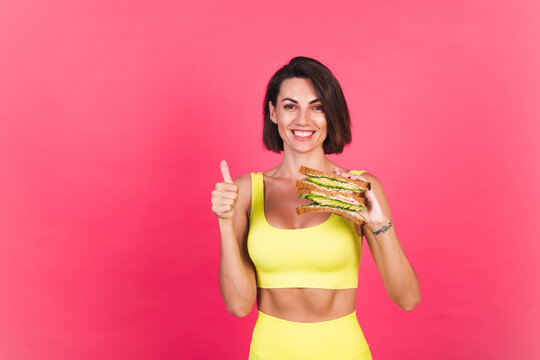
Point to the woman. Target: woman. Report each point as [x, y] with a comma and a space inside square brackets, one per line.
[303, 270]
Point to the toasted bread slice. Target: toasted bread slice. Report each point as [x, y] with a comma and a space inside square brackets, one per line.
[344, 195]
[350, 215]
[312, 172]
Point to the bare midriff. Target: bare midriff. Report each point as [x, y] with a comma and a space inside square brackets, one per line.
[306, 304]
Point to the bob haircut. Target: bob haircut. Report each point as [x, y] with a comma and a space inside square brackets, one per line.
[327, 87]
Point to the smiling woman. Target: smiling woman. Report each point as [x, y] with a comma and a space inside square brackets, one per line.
[315, 84]
[300, 121]
[303, 270]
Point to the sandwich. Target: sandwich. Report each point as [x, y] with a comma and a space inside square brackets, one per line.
[332, 193]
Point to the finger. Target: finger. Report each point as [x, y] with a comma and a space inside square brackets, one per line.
[225, 172]
[223, 201]
[353, 176]
[342, 173]
[226, 195]
[231, 193]
[223, 186]
[221, 209]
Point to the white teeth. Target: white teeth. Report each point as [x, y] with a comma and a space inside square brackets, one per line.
[303, 133]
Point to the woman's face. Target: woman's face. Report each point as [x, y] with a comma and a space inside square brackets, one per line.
[299, 115]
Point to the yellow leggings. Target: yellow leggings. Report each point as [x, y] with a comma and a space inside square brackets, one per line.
[278, 339]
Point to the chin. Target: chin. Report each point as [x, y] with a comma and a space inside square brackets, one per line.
[307, 149]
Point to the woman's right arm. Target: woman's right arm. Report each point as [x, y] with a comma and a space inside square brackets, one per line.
[230, 201]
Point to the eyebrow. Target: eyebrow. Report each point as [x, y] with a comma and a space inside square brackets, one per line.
[296, 102]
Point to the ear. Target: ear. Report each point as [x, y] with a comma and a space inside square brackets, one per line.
[272, 112]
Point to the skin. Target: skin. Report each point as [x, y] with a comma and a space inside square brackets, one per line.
[297, 108]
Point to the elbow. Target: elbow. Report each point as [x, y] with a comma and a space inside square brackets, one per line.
[240, 307]
[410, 305]
[239, 312]
[411, 298]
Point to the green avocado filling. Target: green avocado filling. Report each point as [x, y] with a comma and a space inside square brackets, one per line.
[332, 183]
[324, 201]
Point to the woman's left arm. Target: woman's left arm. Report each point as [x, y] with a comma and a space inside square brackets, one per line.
[399, 277]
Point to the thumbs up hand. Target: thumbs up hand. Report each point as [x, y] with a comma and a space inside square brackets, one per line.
[225, 194]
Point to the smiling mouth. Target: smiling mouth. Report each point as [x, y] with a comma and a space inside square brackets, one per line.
[301, 133]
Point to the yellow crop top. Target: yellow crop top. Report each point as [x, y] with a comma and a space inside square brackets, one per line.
[325, 256]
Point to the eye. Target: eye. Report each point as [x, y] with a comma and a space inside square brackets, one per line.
[318, 107]
[289, 106]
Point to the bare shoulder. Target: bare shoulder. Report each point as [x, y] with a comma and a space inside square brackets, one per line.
[243, 181]
[244, 192]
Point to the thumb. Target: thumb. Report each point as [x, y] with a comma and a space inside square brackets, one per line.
[225, 172]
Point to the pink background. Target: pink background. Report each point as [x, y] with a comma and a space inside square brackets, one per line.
[114, 117]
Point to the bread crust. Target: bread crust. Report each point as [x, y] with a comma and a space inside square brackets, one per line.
[350, 215]
[309, 171]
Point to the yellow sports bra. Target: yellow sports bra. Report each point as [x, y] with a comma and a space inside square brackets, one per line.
[325, 256]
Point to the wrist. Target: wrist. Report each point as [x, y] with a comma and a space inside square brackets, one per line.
[225, 223]
[381, 227]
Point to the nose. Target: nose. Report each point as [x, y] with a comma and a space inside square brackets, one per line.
[303, 117]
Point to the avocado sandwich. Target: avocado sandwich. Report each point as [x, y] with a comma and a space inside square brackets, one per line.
[332, 193]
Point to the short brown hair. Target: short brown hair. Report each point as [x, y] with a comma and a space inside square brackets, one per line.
[327, 87]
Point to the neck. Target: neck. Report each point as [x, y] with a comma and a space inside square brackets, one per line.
[292, 160]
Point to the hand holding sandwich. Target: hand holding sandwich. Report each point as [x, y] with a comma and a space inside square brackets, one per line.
[225, 195]
[342, 193]
[373, 212]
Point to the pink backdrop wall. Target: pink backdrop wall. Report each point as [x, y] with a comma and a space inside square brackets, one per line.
[114, 117]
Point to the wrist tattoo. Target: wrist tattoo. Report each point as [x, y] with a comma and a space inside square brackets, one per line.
[384, 229]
